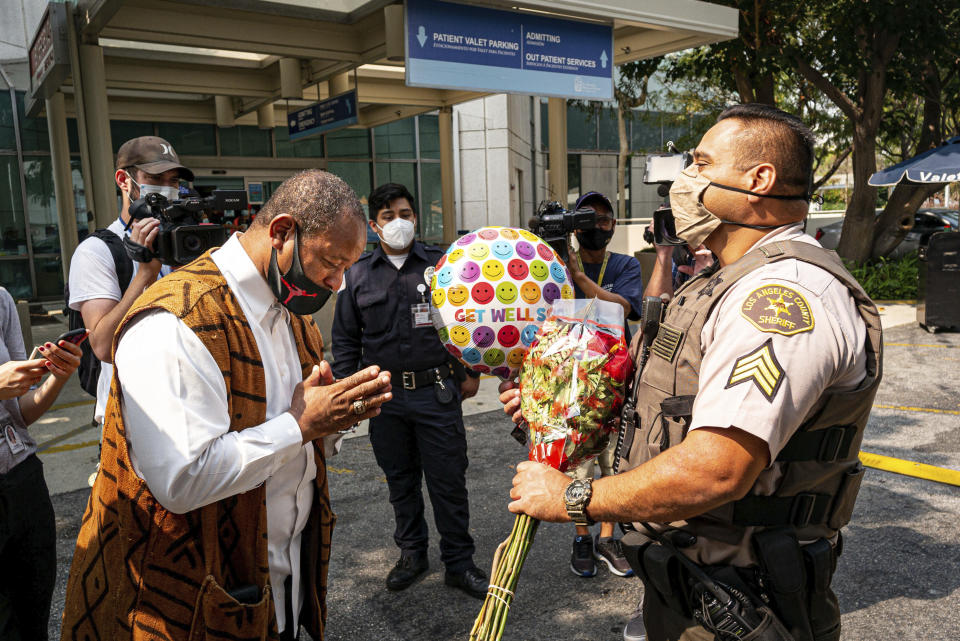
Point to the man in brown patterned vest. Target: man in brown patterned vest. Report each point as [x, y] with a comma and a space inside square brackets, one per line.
[210, 517]
[739, 462]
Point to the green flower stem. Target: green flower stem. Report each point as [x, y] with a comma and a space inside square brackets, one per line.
[492, 619]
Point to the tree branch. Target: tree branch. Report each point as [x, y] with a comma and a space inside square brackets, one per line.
[833, 168]
[820, 81]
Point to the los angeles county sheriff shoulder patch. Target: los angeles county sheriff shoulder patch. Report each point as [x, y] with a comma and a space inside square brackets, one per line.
[777, 309]
[759, 367]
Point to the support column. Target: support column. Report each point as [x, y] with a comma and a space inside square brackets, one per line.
[557, 116]
[62, 181]
[224, 110]
[338, 84]
[445, 122]
[265, 116]
[99, 147]
[291, 85]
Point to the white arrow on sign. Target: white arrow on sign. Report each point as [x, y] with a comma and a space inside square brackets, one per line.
[603, 59]
[422, 35]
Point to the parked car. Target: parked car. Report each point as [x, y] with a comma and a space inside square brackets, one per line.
[926, 222]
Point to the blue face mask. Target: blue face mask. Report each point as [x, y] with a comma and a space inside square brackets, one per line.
[294, 290]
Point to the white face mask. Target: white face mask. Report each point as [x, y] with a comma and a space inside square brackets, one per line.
[398, 233]
[170, 193]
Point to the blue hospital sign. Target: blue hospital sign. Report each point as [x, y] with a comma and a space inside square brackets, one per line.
[453, 46]
[326, 115]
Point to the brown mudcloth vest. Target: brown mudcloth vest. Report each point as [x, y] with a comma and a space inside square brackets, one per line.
[813, 483]
[141, 572]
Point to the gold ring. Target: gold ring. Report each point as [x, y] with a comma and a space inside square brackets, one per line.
[359, 407]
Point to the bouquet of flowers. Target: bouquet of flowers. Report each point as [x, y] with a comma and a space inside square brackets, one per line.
[572, 385]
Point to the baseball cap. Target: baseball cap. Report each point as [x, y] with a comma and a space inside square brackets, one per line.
[151, 154]
[593, 196]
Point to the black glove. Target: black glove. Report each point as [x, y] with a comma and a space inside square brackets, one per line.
[137, 252]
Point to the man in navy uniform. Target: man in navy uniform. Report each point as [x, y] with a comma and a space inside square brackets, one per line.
[383, 317]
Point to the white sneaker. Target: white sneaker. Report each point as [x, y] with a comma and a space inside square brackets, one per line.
[635, 630]
[93, 477]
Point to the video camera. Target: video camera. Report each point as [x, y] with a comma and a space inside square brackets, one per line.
[182, 237]
[662, 170]
[554, 224]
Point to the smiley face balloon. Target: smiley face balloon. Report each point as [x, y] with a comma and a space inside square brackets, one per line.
[491, 291]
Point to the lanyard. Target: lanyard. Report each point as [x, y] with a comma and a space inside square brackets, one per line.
[603, 267]
[126, 226]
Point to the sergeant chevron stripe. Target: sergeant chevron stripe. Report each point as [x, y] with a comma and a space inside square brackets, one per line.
[761, 367]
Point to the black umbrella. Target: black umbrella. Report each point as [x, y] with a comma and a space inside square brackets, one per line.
[940, 165]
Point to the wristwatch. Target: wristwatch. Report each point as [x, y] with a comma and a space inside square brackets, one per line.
[576, 498]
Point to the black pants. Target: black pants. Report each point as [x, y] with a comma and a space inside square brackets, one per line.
[28, 553]
[416, 436]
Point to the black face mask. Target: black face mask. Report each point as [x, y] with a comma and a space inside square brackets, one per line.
[594, 239]
[294, 290]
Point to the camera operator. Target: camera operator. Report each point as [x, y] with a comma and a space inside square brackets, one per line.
[104, 282]
[598, 273]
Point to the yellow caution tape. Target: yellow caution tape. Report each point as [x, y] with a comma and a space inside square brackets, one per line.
[63, 406]
[907, 408]
[938, 346]
[69, 447]
[909, 468]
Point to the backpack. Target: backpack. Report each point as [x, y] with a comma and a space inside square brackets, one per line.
[89, 370]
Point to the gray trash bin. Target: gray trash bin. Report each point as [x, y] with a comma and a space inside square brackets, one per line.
[938, 302]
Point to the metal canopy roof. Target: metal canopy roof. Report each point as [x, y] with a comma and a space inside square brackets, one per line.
[166, 59]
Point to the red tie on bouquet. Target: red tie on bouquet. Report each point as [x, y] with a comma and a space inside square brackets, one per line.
[572, 385]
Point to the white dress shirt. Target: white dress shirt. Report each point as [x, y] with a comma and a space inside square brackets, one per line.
[177, 420]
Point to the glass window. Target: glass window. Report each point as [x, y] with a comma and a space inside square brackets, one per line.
[349, 143]
[609, 138]
[356, 174]
[73, 136]
[44, 223]
[49, 271]
[544, 125]
[647, 133]
[121, 131]
[573, 178]
[404, 173]
[33, 131]
[12, 224]
[303, 148]
[15, 276]
[429, 136]
[218, 182]
[431, 205]
[84, 217]
[8, 138]
[244, 141]
[581, 127]
[395, 140]
[189, 139]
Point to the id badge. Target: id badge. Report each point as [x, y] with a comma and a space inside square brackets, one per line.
[13, 439]
[420, 313]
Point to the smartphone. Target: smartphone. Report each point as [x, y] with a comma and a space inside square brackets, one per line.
[75, 336]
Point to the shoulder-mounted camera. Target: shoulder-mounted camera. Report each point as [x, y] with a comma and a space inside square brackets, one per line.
[182, 237]
[554, 223]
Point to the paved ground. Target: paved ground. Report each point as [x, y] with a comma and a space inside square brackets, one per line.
[898, 578]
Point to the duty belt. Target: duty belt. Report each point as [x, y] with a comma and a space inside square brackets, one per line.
[425, 377]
